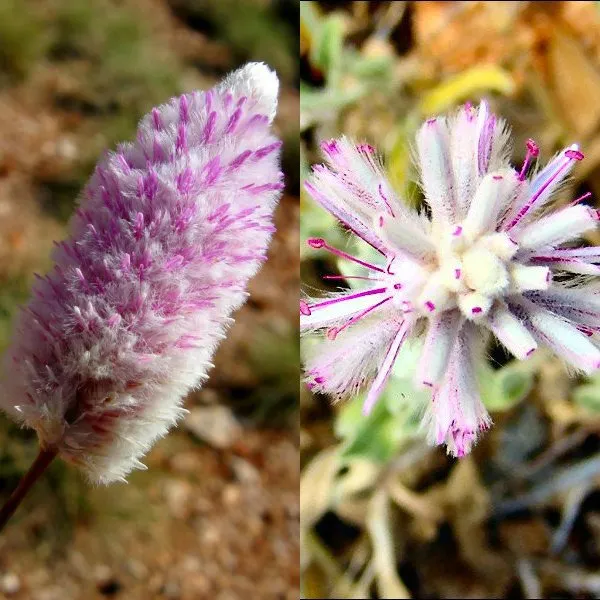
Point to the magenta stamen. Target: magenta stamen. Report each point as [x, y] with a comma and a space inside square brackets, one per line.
[428, 384]
[497, 177]
[430, 305]
[574, 154]
[397, 286]
[581, 198]
[333, 331]
[330, 147]
[457, 273]
[304, 309]
[532, 151]
[351, 277]
[345, 298]
[570, 154]
[457, 231]
[320, 243]
[530, 352]
[532, 147]
[388, 269]
[476, 310]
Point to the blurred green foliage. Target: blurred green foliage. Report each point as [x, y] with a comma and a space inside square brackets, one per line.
[125, 70]
[348, 74]
[23, 40]
[13, 292]
[274, 355]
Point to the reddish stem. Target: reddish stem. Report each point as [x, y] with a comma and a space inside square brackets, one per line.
[40, 464]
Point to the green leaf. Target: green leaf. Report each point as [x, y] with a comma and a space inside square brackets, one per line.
[375, 68]
[326, 52]
[588, 397]
[373, 437]
[349, 418]
[376, 438]
[322, 105]
[379, 436]
[503, 389]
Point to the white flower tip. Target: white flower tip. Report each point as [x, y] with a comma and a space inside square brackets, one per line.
[257, 80]
[474, 306]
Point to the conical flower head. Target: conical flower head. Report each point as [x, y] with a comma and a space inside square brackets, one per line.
[169, 230]
[487, 255]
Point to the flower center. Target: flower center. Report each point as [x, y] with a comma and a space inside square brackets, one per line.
[469, 273]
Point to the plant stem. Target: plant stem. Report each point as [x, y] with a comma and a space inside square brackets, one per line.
[40, 464]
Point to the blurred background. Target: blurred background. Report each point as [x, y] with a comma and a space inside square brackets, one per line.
[216, 514]
[382, 514]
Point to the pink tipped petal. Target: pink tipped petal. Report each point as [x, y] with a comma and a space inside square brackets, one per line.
[525, 278]
[353, 188]
[386, 367]
[456, 414]
[439, 341]
[403, 236]
[339, 308]
[556, 228]
[335, 205]
[564, 339]
[511, 332]
[463, 149]
[492, 141]
[486, 123]
[579, 305]
[433, 147]
[490, 201]
[343, 366]
[569, 260]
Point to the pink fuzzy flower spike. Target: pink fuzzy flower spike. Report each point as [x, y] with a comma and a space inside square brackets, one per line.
[483, 262]
[169, 230]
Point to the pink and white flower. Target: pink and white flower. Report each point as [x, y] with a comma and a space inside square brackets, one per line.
[487, 254]
[169, 230]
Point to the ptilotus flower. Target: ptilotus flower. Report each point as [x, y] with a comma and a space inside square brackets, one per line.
[168, 232]
[486, 254]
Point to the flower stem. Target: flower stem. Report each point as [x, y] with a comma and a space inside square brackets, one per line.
[40, 464]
